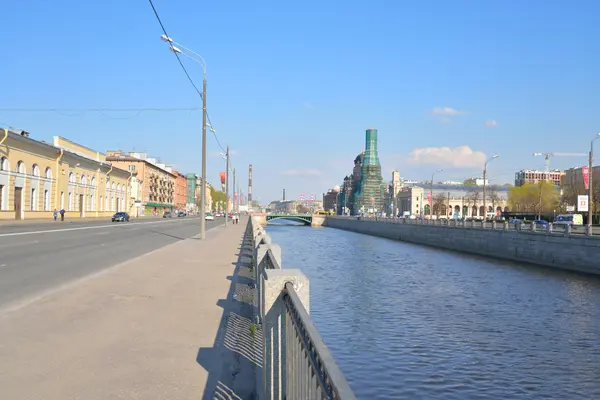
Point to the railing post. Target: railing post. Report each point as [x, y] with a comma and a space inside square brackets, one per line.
[262, 261]
[533, 227]
[567, 230]
[549, 228]
[494, 225]
[274, 327]
[505, 225]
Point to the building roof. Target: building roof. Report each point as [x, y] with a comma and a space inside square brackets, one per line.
[24, 136]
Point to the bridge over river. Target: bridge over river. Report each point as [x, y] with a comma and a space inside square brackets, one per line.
[305, 219]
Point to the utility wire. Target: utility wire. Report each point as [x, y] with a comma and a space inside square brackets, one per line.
[185, 71]
[214, 134]
[97, 109]
[176, 55]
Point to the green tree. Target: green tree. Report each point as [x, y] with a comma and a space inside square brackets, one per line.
[538, 198]
[469, 182]
[217, 196]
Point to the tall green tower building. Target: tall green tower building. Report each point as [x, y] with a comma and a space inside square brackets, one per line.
[369, 197]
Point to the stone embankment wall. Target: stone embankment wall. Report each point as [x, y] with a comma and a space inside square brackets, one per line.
[571, 252]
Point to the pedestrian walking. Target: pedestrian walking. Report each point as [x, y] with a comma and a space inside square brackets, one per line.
[62, 214]
[55, 214]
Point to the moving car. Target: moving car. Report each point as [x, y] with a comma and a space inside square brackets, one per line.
[569, 219]
[120, 217]
[209, 217]
[181, 214]
[167, 215]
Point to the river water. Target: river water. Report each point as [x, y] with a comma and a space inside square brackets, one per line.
[410, 322]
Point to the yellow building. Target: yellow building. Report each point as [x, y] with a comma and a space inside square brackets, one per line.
[37, 177]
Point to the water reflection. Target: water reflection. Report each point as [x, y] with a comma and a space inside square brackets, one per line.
[406, 321]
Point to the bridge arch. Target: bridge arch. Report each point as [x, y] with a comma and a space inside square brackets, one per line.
[305, 219]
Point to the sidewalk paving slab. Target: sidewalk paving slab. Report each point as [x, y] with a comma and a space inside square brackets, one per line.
[140, 330]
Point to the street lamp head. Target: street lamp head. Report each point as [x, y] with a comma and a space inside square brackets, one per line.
[175, 49]
[440, 170]
[495, 156]
[165, 38]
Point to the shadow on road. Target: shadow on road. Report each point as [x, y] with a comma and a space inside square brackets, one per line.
[236, 356]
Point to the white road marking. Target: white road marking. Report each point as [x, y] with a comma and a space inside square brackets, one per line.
[90, 227]
[3, 265]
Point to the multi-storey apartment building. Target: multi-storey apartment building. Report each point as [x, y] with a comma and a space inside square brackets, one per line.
[533, 176]
[37, 177]
[156, 179]
[180, 190]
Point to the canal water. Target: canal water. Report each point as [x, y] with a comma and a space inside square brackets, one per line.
[410, 322]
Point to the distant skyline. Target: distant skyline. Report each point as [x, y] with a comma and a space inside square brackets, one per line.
[292, 87]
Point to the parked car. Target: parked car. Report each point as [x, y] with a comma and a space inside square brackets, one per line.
[167, 215]
[181, 214]
[209, 217]
[120, 217]
[541, 223]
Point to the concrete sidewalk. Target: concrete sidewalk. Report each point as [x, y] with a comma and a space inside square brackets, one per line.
[172, 324]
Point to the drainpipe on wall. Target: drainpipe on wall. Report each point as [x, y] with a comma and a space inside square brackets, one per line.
[97, 193]
[56, 204]
[130, 192]
[106, 183]
[5, 136]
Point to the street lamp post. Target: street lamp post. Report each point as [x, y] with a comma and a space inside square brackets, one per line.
[431, 192]
[485, 184]
[202, 63]
[226, 157]
[590, 183]
[234, 194]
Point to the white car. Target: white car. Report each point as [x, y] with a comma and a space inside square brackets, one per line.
[209, 217]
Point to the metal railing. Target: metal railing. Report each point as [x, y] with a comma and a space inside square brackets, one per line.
[311, 371]
[550, 229]
[296, 361]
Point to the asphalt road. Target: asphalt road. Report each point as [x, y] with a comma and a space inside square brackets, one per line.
[36, 258]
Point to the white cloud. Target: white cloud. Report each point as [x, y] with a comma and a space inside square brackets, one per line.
[491, 123]
[457, 157]
[301, 172]
[447, 111]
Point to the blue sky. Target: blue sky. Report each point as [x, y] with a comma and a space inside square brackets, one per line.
[292, 86]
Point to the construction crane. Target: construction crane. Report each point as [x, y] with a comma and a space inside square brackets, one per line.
[548, 155]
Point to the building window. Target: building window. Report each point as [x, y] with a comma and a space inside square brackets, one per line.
[62, 200]
[34, 200]
[21, 167]
[46, 201]
[70, 201]
[4, 165]
[49, 173]
[132, 167]
[2, 197]
[35, 170]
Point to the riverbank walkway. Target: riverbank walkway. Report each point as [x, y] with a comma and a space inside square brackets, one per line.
[165, 325]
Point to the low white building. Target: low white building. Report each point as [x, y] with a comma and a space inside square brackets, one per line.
[458, 202]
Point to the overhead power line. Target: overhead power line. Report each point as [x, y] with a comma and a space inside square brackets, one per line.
[176, 55]
[162, 26]
[98, 109]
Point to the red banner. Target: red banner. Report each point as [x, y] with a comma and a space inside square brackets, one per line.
[586, 177]
[222, 176]
[429, 198]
